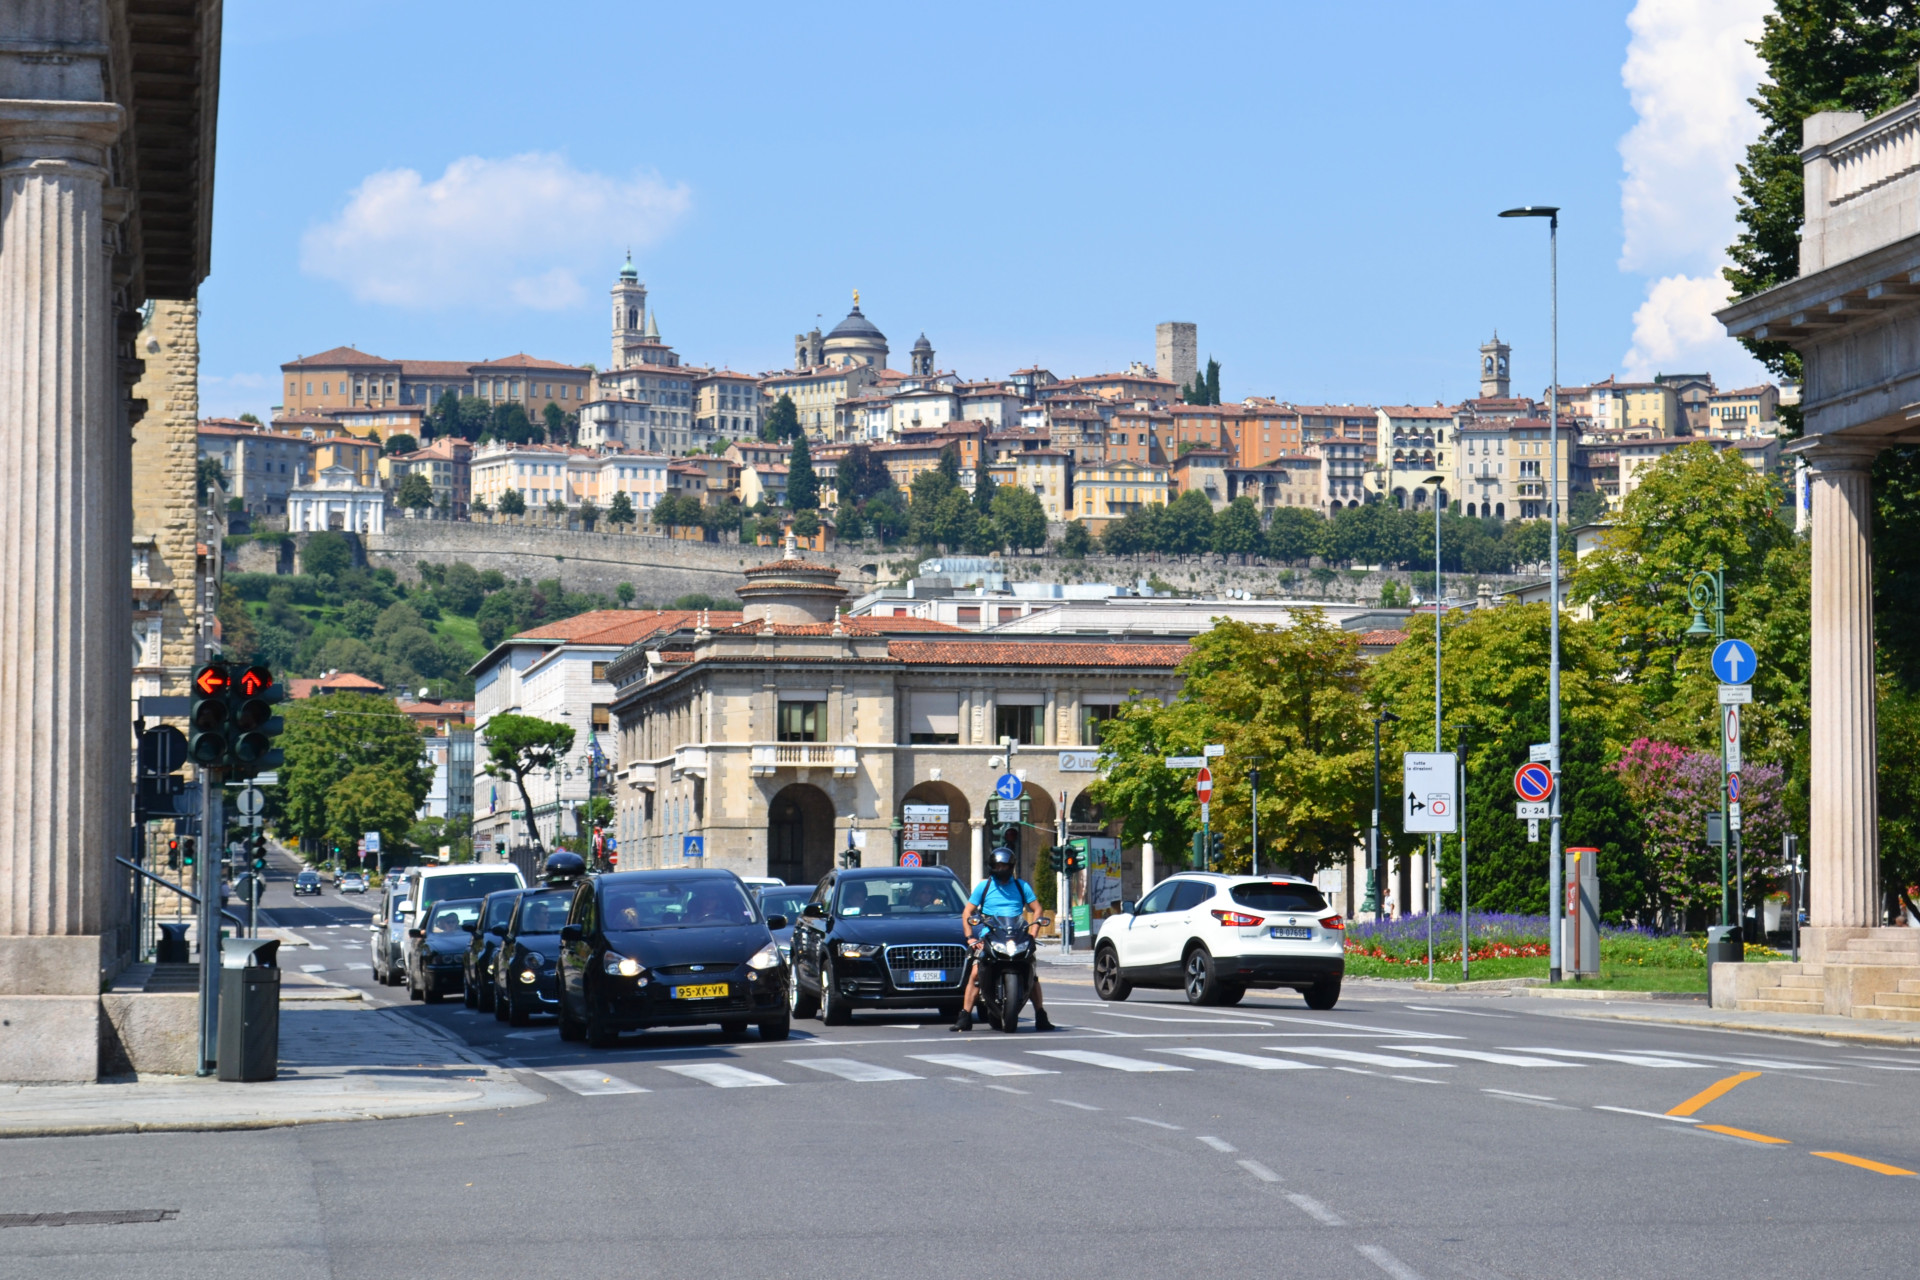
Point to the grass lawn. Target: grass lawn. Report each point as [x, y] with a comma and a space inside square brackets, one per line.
[1613, 976]
[464, 630]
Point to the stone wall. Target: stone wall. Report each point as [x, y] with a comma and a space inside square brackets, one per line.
[165, 457]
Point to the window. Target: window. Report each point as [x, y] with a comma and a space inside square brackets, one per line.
[1021, 723]
[1159, 900]
[933, 719]
[1093, 716]
[1190, 895]
[967, 614]
[802, 721]
[602, 717]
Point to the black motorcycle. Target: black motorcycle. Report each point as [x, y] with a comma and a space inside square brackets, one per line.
[1005, 969]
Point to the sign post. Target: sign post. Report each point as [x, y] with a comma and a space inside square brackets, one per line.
[1203, 791]
[1735, 664]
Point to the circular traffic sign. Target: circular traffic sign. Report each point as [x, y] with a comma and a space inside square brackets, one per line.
[1007, 787]
[1203, 785]
[911, 858]
[1733, 661]
[1733, 787]
[1533, 781]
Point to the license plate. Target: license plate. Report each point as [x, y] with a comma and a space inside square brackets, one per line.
[926, 975]
[1290, 931]
[705, 991]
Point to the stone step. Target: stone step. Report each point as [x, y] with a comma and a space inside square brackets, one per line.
[1882, 943]
[1779, 1006]
[1898, 1000]
[1888, 1013]
[1910, 984]
[1817, 981]
[1791, 995]
[1874, 959]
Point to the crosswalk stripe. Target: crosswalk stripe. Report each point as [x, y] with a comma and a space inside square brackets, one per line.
[981, 1066]
[590, 1083]
[848, 1069]
[318, 946]
[722, 1076]
[1241, 1059]
[312, 968]
[1111, 1061]
[1631, 1059]
[1351, 1055]
[1769, 1063]
[1481, 1055]
[360, 968]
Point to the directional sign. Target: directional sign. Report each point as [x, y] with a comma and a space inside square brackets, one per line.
[371, 841]
[1540, 751]
[250, 801]
[1733, 661]
[1186, 762]
[1533, 781]
[1214, 750]
[1430, 778]
[1732, 693]
[1007, 787]
[1203, 785]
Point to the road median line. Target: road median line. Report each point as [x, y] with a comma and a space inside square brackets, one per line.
[1748, 1134]
[1860, 1162]
[1717, 1089]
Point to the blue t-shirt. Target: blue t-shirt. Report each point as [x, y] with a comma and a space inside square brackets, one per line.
[997, 899]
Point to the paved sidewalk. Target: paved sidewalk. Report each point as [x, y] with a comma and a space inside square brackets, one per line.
[1815, 1025]
[339, 1060]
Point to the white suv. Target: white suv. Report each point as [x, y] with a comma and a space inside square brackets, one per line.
[1217, 935]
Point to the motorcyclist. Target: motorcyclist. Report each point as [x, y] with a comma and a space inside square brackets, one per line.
[1001, 894]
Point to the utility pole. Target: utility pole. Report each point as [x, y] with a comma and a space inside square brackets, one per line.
[1462, 793]
[208, 886]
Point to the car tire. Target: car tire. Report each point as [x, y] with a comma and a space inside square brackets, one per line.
[483, 997]
[1323, 995]
[1109, 979]
[518, 1015]
[430, 994]
[599, 1034]
[469, 995]
[734, 1028]
[413, 992]
[569, 1029]
[800, 1003]
[1200, 977]
[499, 1007]
[775, 1029]
[834, 1010]
[1232, 993]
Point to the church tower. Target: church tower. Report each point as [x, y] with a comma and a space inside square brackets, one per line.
[1495, 380]
[923, 357]
[629, 314]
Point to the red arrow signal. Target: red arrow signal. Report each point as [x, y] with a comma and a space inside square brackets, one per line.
[212, 680]
[254, 679]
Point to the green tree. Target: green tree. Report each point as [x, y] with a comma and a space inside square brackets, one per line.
[1075, 541]
[445, 418]
[860, 476]
[1186, 528]
[620, 511]
[589, 513]
[782, 421]
[1019, 517]
[329, 737]
[416, 492]
[327, 552]
[475, 416]
[252, 418]
[516, 746]
[239, 639]
[984, 487]
[676, 511]
[1585, 506]
[556, 506]
[1135, 533]
[1236, 529]
[207, 476]
[803, 487]
[509, 422]
[1295, 535]
[1212, 385]
[370, 799]
[399, 442]
[806, 523]
[1394, 594]
[513, 503]
[624, 594]
[558, 428]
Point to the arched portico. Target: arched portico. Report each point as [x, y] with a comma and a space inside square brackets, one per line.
[799, 834]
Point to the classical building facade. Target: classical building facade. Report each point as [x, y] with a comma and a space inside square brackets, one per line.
[337, 500]
[346, 378]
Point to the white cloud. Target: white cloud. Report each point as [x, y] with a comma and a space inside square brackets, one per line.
[490, 233]
[1689, 73]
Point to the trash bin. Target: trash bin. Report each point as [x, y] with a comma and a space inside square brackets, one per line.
[249, 1044]
[172, 947]
[1724, 945]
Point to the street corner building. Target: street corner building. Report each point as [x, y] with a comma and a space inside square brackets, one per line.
[769, 745]
[107, 112]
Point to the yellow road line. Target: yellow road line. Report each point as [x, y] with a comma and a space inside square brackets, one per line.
[1713, 1091]
[1890, 1170]
[1744, 1133]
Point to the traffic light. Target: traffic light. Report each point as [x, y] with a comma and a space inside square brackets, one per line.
[849, 859]
[1217, 848]
[207, 716]
[1075, 856]
[257, 850]
[186, 851]
[173, 854]
[250, 700]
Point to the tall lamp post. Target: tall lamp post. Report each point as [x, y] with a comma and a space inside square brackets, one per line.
[1439, 605]
[1707, 593]
[1372, 902]
[1555, 894]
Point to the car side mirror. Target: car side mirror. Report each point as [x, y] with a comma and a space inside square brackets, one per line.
[471, 928]
[498, 931]
[1127, 907]
[776, 922]
[814, 911]
[416, 933]
[571, 933]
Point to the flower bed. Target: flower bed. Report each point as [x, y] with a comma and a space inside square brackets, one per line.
[1502, 937]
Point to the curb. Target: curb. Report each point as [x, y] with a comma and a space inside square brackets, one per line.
[1615, 993]
[1813, 1033]
[1485, 984]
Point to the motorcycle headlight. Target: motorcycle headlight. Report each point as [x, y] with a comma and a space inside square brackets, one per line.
[534, 959]
[857, 950]
[624, 966]
[765, 958]
[1006, 948]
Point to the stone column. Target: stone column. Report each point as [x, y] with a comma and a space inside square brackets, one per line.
[979, 863]
[1844, 880]
[64, 580]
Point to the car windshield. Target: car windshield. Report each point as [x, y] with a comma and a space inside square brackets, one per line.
[544, 912]
[677, 904]
[308, 877]
[469, 884]
[784, 902]
[1279, 895]
[450, 917]
[500, 909]
[934, 895]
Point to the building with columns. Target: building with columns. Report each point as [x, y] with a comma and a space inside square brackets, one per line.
[1853, 314]
[107, 114]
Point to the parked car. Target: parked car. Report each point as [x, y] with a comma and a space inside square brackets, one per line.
[431, 884]
[784, 900]
[436, 960]
[882, 937]
[389, 927]
[495, 910]
[1215, 936]
[669, 949]
[352, 882]
[307, 882]
[526, 980]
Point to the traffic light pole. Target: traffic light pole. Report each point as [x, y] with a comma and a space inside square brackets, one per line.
[208, 884]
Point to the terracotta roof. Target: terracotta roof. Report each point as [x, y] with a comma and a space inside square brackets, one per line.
[1065, 653]
[1385, 637]
[623, 626]
[861, 626]
[434, 368]
[521, 360]
[336, 357]
[338, 682]
[1418, 410]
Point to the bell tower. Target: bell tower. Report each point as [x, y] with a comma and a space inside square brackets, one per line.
[629, 313]
[1495, 380]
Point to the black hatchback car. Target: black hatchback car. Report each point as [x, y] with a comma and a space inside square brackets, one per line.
[669, 949]
[886, 937]
[438, 964]
[526, 980]
[307, 882]
[495, 910]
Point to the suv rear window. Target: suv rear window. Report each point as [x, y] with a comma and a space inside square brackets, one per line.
[1278, 895]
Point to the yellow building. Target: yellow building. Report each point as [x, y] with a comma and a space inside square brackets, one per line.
[1106, 491]
[361, 457]
[1042, 472]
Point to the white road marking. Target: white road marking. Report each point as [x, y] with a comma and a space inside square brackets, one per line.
[1111, 1061]
[1352, 1055]
[360, 968]
[1508, 1093]
[1416, 1079]
[1314, 1209]
[1355, 1026]
[1218, 1144]
[981, 1066]
[849, 1069]
[317, 946]
[313, 968]
[1241, 1059]
[1258, 1170]
[1003, 1088]
[1465, 1013]
[1631, 1059]
[1481, 1055]
[1077, 1106]
[1767, 1063]
[1158, 1124]
[590, 1083]
[1141, 1017]
[1387, 1262]
[721, 1076]
[1651, 1115]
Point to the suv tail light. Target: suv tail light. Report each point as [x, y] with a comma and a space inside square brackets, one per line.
[1333, 922]
[1240, 918]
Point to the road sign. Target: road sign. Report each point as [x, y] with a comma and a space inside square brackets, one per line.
[693, 847]
[1214, 750]
[1731, 737]
[1186, 762]
[1733, 815]
[1527, 810]
[1714, 835]
[1733, 787]
[1205, 818]
[1430, 778]
[371, 841]
[1540, 752]
[1007, 787]
[1203, 785]
[1735, 693]
[1533, 781]
[911, 858]
[1533, 831]
[1733, 661]
[250, 801]
[1008, 811]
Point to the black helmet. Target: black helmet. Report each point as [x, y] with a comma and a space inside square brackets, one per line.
[1000, 863]
[564, 866]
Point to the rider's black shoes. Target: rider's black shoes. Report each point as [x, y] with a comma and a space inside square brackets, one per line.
[1041, 1022]
[962, 1023]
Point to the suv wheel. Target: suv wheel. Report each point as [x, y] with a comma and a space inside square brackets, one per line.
[775, 1029]
[1202, 981]
[800, 1004]
[1109, 981]
[1323, 995]
[833, 1006]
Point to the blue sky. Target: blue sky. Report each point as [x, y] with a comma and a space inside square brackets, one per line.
[1314, 185]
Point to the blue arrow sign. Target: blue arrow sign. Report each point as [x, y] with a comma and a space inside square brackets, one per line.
[1008, 787]
[1733, 661]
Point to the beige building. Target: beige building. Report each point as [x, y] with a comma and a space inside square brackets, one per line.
[1106, 491]
[346, 378]
[173, 580]
[726, 406]
[1746, 411]
[1046, 473]
[817, 393]
[261, 464]
[1411, 443]
[771, 745]
[1290, 480]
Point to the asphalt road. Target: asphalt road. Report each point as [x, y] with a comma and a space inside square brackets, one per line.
[1395, 1136]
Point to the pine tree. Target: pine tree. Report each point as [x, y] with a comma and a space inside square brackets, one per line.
[983, 490]
[1213, 382]
[803, 487]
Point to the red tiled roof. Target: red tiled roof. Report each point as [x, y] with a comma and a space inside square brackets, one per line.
[623, 626]
[521, 360]
[337, 357]
[1383, 637]
[1063, 653]
[434, 368]
[861, 626]
[338, 682]
[1418, 410]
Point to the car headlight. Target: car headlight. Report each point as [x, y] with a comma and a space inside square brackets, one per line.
[765, 958]
[624, 967]
[534, 959]
[857, 950]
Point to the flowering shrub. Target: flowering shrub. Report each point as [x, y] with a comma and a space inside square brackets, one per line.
[1675, 789]
[1496, 936]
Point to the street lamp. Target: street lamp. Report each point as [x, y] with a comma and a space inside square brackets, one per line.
[1554, 873]
[1439, 603]
[1707, 593]
[1372, 902]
